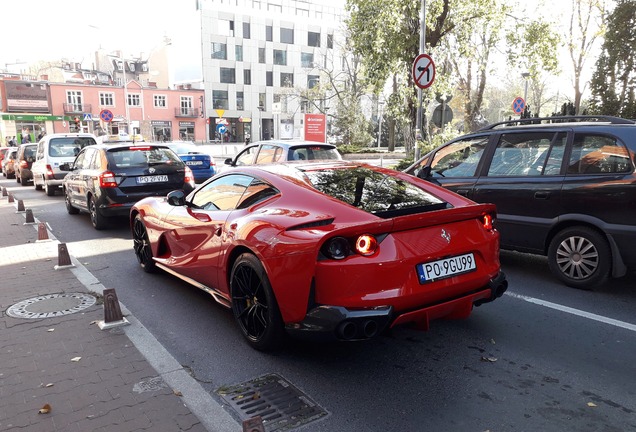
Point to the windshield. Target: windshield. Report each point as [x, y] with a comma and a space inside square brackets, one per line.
[68, 146]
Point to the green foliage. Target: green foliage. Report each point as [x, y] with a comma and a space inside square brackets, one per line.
[613, 83]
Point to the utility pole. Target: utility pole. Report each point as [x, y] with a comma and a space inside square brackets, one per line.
[418, 121]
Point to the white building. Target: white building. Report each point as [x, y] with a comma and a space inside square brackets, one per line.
[259, 56]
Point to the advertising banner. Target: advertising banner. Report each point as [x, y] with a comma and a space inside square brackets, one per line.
[316, 127]
[26, 97]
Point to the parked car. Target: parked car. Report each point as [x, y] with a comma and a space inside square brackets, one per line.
[54, 150]
[8, 162]
[564, 187]
[265, 152]
[105, 180]
[3, 152]
[334, 249]
[203, 165]
[23, 162]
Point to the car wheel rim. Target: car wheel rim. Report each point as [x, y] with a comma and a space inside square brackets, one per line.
[577, 257]
[140, 243]
[93, 211]
[250, 302]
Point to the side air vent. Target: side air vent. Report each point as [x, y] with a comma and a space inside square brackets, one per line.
[308, 225]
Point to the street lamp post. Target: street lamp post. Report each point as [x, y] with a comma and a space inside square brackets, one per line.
[380, 113]
[525, 76]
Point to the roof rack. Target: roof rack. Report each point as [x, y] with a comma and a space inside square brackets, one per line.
[559, 119]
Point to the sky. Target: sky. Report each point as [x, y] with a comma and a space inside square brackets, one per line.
[50, 30]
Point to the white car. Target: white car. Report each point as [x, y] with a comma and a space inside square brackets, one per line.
[52, 151]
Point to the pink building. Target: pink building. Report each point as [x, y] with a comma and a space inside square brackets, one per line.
[36, 107]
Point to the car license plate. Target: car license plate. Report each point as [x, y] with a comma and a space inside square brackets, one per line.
[440, 269]
[194, 163]
[152, 179]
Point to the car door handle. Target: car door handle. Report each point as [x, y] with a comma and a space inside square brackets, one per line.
[542, 195]
[463, 192]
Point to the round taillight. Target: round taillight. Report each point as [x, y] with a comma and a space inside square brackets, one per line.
[487, 222]
[366, 245]
[337, 248]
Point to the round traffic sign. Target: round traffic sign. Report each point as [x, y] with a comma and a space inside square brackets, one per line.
[423, 71]
[106, 115]
[221, 128]
[518, 105]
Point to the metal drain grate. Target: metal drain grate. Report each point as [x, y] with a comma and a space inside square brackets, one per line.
[51, 305]
[279, 403]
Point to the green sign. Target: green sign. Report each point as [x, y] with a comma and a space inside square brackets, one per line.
[33, 117]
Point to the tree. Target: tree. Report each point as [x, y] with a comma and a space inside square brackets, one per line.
[613, 83]
[584, 29]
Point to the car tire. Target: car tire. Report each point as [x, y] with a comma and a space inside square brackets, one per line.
[141, 246]
[70, 209]
[580, 257]
[50, 191]
[98, 221]
[23, 181]
[38, 187]
[254, 305]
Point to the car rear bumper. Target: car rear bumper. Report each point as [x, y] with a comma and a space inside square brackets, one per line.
[339, 323]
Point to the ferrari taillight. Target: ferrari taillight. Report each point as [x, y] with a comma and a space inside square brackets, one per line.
[366, 245]
[487, 221]
[339, 247]
[107, 180]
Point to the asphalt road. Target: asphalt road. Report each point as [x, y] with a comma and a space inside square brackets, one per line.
[544, 357]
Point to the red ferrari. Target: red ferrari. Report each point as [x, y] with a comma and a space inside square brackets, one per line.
[336, 249]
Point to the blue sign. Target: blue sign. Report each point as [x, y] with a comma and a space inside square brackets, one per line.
[106, 115]
[518, 105]
[88, 117]
[221, 128]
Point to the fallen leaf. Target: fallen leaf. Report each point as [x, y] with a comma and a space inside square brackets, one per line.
[177, 393]
[489, 359]
[51, 330]
[45, 409]
[76, 359]
[49, 385]
[492, 341]
[591, 404]
[256, 396]
[93, 322]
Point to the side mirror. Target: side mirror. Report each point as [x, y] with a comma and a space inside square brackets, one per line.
[228, 161]
[66, 166]
[424, 173]
[177, 198]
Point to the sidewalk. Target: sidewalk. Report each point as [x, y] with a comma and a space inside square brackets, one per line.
[60, 372]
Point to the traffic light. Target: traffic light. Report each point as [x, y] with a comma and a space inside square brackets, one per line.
[76, 120]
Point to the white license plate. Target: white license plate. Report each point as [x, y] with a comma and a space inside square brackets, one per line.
[152, 179]
[440, 269]
[194, 163]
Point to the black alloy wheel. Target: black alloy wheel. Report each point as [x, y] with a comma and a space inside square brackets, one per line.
[70, 209]
[98, 221]
[580, 257]
[254, 305]
[141, 246]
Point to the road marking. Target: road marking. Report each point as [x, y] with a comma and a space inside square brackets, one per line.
[577, 312]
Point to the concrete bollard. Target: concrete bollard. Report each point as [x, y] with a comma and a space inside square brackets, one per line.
[20, 206]
[4, 191]
[10, 199]
[29, 217]
[63, 257]
[43, 233]
[112, 311]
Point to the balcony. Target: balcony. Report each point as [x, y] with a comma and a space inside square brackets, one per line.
[77, 108]
[186, 112]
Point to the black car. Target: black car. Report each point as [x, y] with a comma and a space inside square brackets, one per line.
[107, 179]
[564, 187]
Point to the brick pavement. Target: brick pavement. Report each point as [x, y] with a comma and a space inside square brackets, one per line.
[112, 387]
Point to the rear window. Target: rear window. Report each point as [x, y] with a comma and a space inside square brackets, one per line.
[142, 156]
[374, 192]
[29, 151]
[68, 146]
[313, 153]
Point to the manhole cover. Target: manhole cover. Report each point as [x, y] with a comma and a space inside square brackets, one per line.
[281, 405]
[51, 305]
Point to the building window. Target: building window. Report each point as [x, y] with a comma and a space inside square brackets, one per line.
[219, 99]
[329, 41]
[276, 8]
[286, 79]
[238, 52]
[226, 28]
[186, 105]
[228, 75]
[262, 101]
[286, 35]
[159, 101]
[302, 12]
[261, 55]
[313, 39]
[307, 60]
[239, 101]
[304, 106]
[219, 51]
[247, 76]
[313, 81]
[280, 57]
[106, 99]
[269, 33]
[246, 30]
[134, 99]
[74, 98]
[269, 78]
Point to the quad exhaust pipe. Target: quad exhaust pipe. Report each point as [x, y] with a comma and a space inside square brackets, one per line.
[357, 329]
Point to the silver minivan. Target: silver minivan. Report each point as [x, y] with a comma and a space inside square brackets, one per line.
[54, 150]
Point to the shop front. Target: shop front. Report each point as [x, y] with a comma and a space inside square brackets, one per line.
[161, 130]
[186, 130]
